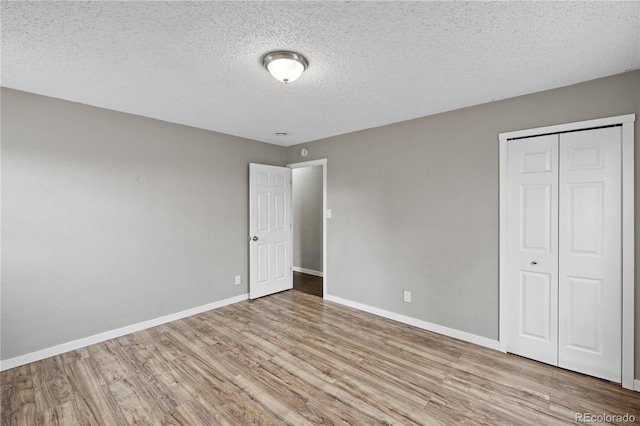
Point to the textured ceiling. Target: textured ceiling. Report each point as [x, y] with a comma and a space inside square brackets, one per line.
[370, 63]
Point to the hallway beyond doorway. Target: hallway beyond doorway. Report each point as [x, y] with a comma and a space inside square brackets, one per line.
[306, 283]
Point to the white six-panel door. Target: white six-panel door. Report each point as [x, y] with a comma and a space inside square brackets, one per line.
[270, 234]
[590, 280]
[564, 250]
[533, 248]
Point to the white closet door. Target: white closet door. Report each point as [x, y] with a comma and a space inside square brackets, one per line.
[589, 326]
[533, 248]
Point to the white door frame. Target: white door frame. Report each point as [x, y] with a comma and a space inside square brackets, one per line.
[628, 240]
[323, 163]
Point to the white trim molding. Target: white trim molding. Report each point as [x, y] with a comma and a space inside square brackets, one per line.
[628, 256]
[308, 271]
[628, 217]
[112, 334]
[568, 127]
[446, 331]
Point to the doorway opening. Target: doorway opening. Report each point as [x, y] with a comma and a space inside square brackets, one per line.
[309, 226]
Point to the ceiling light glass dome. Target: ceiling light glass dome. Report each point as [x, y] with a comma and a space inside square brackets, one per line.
[285, 66]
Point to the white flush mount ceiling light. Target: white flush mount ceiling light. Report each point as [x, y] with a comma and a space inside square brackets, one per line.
[285, 66]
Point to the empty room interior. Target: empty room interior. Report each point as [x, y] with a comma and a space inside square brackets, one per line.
[407, 212]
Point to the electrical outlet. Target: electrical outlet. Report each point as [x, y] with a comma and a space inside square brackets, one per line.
[238, 280]
[407, 296]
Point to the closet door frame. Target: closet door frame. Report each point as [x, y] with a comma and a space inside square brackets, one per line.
[628, 240]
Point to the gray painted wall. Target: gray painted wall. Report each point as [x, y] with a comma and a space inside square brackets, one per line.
[415, 204]
[307, 218]
[110, 219]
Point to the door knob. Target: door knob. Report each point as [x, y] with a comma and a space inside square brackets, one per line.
[255, 238]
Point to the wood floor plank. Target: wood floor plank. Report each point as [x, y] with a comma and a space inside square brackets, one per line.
[89, 385]
[296, 359]
[194, 413]
[195, 381]
[53, 393]
[71, 413]
[18, 396]
[136, 395]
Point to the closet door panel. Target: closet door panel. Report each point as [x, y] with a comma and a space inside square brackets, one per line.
[533, 248]
[589, 280]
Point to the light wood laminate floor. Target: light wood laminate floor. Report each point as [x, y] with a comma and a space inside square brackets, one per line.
[296, 359]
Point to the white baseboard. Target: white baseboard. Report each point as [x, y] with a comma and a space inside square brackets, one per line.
[450, 332]
[112, 334]
[308, 271]
[636, 385]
